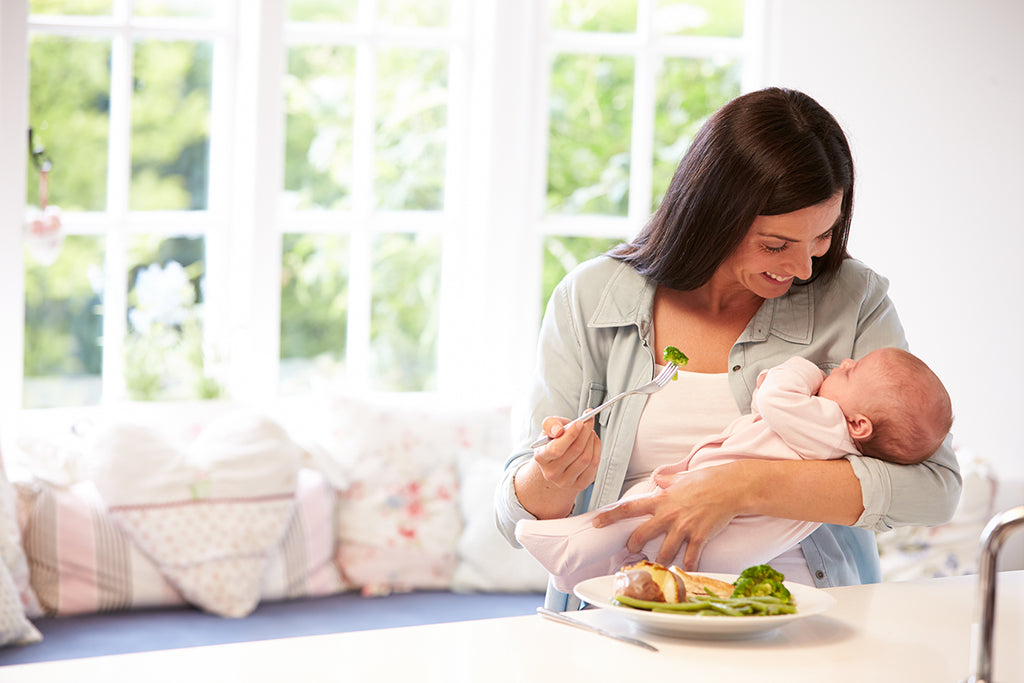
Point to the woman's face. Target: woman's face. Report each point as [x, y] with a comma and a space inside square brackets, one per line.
[778, 249]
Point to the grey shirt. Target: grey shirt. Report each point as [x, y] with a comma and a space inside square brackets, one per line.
[593, 344]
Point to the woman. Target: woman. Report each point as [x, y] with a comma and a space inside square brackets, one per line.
[743, 265]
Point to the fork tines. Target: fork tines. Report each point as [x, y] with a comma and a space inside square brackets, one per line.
[667, 374]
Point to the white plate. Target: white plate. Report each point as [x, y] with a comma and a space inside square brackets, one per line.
[809, 601]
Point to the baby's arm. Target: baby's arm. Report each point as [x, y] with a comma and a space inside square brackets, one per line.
[814, 427]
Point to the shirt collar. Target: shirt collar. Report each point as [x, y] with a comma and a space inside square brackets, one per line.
[789, 317]
[627, 299]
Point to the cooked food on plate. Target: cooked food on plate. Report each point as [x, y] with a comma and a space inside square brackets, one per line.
[758, 591]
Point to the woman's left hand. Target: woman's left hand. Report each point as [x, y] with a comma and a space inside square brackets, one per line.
[690, 508]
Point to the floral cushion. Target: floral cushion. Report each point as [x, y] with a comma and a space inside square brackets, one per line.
[398, 517]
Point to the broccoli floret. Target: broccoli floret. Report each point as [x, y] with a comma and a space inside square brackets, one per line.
[761, 580]
[674, 355]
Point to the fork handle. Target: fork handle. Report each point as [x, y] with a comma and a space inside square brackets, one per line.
[587, 414]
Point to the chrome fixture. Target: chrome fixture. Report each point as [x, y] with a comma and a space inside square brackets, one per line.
[992, 539]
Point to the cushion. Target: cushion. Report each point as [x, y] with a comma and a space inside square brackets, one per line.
[83, 561]
[486, 560]
[302, 565]
[16, 594]
[398, 517]
[951, 549]
[207, 513]
[15, 628]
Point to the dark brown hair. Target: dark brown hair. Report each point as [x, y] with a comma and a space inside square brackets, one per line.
[765, 153]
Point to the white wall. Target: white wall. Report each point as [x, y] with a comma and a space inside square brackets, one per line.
[931, 94]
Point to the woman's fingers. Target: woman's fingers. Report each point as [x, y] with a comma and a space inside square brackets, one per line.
[570, 459]
[634, 507]
[687, 511]
[691, 560]
[553, 426]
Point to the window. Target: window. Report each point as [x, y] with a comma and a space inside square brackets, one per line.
[370, 104]
[120, 110]
[630, 84]
[266, 197]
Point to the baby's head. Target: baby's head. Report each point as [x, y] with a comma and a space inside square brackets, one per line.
[895, 407]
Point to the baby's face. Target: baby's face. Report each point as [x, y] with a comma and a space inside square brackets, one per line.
[852, 383]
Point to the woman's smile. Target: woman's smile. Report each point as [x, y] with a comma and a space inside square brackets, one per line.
[780, 249]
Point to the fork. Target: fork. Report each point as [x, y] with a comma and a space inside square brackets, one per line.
[651, 387]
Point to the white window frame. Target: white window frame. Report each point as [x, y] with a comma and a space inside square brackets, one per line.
[493, 222]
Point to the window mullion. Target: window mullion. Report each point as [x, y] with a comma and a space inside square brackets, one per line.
[13, 124]
[358, 356]
[508, 188]
[219, 230]
[254, 255]
[461, 240]
[641, 157]
[115, 291]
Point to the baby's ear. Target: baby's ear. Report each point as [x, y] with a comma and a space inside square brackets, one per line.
[860, 427]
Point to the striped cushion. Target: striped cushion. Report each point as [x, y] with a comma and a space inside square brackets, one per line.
[82, 560]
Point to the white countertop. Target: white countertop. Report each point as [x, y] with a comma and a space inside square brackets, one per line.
[908, 631]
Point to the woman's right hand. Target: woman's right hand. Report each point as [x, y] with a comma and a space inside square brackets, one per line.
[548, 483]
[570, 459]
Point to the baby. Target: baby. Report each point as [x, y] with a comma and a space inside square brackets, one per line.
[887, 405]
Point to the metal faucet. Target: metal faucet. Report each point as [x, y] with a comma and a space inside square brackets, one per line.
[992, 538]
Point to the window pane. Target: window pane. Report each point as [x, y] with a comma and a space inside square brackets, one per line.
[319, 100]
[175, 8]
[405, 312]
[562, 254]
[69, 111]
[323, 10]
[689, 90]
[699, 17]
[71, 7]
[63, 326]
[591, 118]
[414, 12]
[609, 16]
[165, 354]
[412, 92]
[170, 125]
[314, 308]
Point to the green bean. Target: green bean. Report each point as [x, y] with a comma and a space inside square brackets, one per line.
[715, 606]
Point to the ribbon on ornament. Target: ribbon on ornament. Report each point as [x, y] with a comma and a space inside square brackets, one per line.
[44, 231]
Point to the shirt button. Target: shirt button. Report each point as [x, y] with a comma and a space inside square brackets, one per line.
[819, 574]
[735, 368]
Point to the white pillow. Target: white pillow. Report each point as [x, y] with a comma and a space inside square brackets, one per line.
[207, 513]
[486, 561]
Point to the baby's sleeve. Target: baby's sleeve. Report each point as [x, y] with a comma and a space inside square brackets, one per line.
[812, 426]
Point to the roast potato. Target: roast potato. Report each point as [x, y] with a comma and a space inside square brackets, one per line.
[649, 581]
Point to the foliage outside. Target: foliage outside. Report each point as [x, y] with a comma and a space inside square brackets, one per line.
[588, 173]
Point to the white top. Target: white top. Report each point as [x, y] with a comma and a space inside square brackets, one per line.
[662, 438]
